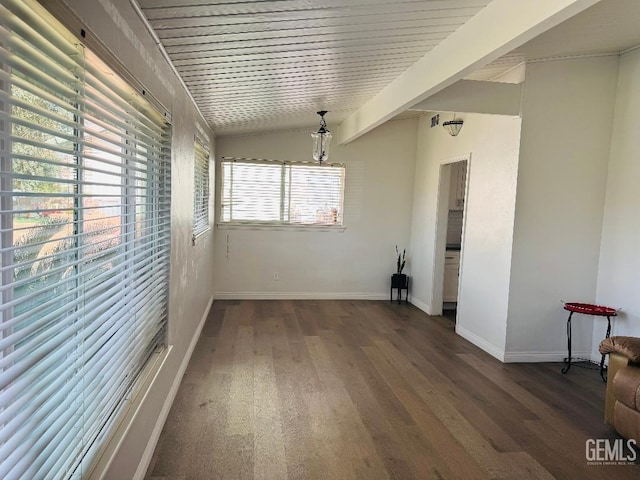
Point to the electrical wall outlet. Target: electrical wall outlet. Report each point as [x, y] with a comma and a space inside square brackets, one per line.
[276, 277]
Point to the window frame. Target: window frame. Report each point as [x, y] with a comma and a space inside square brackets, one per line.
[281, 224]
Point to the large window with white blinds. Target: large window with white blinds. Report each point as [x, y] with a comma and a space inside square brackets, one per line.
[281, 193]
[84, 246]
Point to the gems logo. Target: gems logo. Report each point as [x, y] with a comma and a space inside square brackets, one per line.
[602, 451]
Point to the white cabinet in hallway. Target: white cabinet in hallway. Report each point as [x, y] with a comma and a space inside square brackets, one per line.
[451, 269]
[458, 185]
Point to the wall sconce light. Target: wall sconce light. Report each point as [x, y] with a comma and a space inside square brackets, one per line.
[453, 126]
[321, 140]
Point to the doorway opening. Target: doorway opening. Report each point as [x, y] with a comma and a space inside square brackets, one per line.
[450, 235]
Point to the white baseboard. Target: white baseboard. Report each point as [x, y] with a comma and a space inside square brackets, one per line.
[166, 407]
[542, 357]
[426, 308]
[299, 296]
[481, 343]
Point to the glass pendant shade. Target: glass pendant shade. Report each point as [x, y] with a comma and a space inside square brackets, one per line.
[321, 143]
[321, 140]
[453, 127]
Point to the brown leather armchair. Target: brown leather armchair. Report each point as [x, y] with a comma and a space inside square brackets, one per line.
[622, 403]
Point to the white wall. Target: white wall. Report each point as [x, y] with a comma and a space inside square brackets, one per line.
[493, 142]
[566, 126]
[356, 263]
[116, 25]
[619, 271]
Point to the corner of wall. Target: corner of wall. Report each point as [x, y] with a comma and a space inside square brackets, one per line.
[618, 272]
[425, 307]
[480, 342]
[559, 203]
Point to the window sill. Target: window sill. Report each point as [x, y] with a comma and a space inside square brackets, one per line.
[282, 227]
[129, 411]
[196, 236]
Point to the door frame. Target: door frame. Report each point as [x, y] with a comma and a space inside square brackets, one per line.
[440, 231]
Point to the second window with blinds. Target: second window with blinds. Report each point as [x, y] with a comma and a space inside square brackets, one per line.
[269, 192]
[201, 190]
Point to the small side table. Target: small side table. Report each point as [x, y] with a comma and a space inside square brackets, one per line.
[587, 309]
[399, 281]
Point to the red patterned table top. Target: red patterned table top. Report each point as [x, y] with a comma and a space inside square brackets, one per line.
[589, 309]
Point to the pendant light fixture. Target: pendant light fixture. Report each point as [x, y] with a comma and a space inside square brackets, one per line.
[453, 126]
[321, 140]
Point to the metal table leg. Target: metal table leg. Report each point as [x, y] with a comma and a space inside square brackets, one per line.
[603, 370]
[568, 359]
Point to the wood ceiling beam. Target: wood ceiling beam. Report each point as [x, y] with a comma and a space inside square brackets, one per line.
[500, 27]
[474, 96]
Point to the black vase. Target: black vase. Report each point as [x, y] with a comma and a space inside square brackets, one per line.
[398, 280]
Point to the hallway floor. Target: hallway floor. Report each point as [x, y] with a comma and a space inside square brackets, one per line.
[371, 390]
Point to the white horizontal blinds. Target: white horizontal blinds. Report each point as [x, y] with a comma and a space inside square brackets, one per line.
[251, 191]
[201, 189]
[124, 242]
[85, 240]
[267, 191]
[316, 194]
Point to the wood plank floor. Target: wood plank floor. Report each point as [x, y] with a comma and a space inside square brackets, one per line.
[371, 390]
